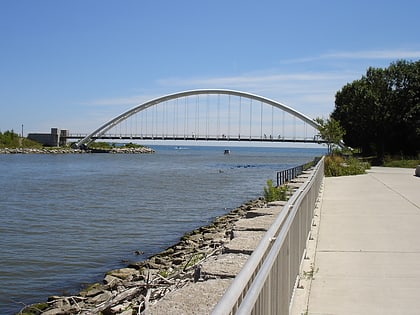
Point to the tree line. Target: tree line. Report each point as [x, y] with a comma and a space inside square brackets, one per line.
[380, 113]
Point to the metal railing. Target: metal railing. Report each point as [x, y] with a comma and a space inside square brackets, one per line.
[265, 283]
[287, 175]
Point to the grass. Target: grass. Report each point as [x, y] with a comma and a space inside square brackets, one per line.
[401, 162]
[194, 260]
[309, 275]
[164, 273]
[34, 309]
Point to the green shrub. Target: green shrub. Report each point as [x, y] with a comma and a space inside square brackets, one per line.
[336, 165]
[9, 139]
[133, 145]
[100, 145]
[273, 193]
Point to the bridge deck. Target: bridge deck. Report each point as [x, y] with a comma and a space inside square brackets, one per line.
[368, 253]
[199, 138]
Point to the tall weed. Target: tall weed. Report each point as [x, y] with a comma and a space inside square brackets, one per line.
[273, 193]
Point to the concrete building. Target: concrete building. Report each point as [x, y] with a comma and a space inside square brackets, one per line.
[56, 138]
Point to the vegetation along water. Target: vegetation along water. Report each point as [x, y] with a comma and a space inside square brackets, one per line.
[67, 219]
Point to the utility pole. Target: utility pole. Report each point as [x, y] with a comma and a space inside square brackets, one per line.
[22, 131]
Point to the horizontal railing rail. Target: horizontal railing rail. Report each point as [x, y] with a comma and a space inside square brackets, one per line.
[265, 283]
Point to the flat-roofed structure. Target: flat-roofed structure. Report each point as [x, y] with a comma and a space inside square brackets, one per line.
[56, 138]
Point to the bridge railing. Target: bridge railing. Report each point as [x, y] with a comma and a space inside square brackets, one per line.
[266, 282]
[132, 136]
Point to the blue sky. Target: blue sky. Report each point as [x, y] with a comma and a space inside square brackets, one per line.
[76, 64]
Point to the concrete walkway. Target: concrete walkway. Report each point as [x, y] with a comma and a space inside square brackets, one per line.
[367, 258]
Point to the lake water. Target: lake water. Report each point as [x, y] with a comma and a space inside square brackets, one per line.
[67, 219]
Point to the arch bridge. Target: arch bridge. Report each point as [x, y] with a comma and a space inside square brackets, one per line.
[208, 115]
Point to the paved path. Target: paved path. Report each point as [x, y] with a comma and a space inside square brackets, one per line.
[367, 259]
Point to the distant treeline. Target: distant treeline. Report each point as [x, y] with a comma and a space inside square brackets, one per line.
[10, 139]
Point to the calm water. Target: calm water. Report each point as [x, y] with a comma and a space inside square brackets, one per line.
[67, 219]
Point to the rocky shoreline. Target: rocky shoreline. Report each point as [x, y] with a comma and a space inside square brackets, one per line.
[131, 289]
[189, 277]
[58, 150]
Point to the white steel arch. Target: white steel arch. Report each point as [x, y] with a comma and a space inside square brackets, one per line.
[115, 121]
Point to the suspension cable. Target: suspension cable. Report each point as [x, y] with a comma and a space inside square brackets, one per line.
[261, 121]
[229, 118]
[207, 116]
[185, 116]
[218, 117]
[136, 117]
[240, 113]
[272, 123]
[283, 124]
[250, 119]
[198, 116]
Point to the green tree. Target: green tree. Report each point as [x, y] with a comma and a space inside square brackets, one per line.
[381, 112]
[331, 131]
